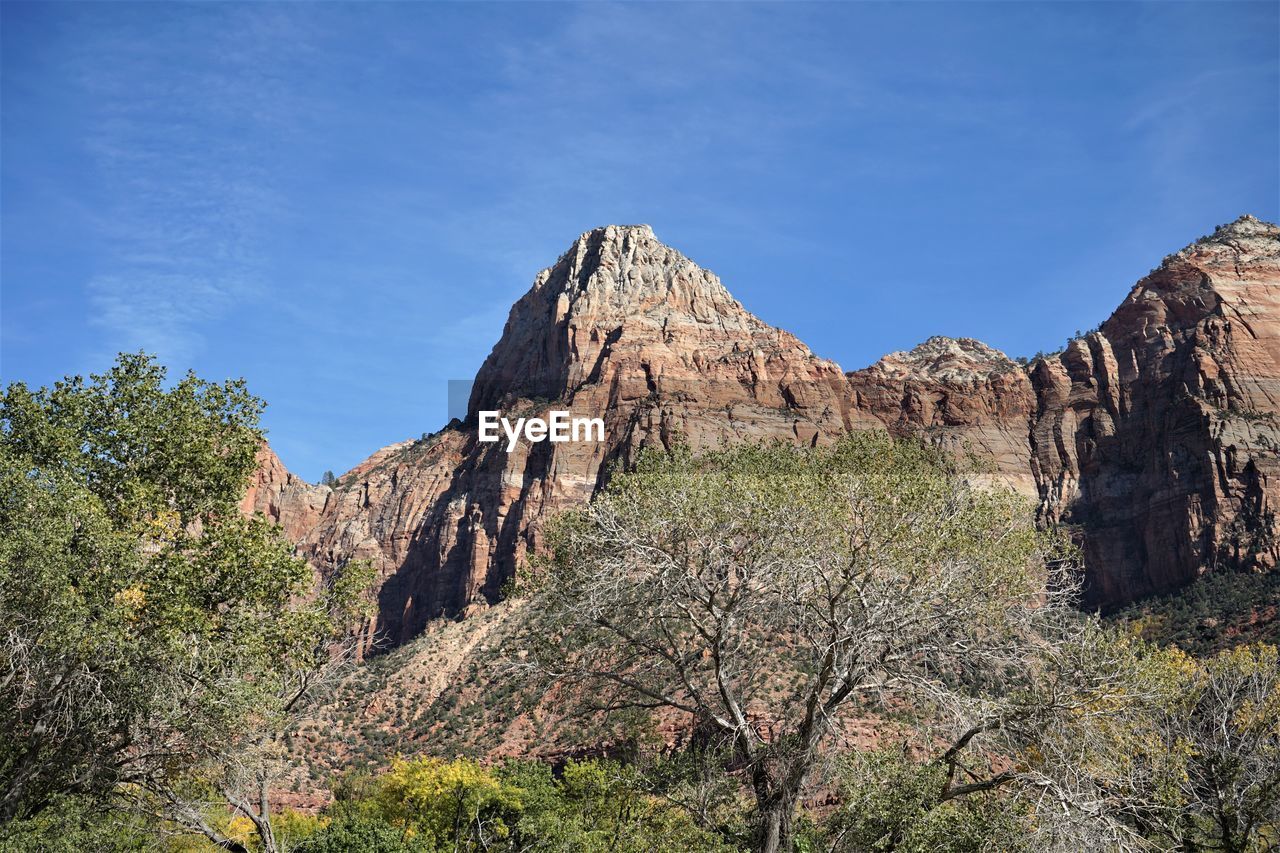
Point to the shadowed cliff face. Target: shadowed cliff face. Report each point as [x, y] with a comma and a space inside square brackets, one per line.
[1155, 436]
[623, 328]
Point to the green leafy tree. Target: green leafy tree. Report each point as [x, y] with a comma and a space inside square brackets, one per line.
[365, 833]
[442, 806]
[892, 801]
[76, 824]
[601, 805]
[153, 638]
[448, 805]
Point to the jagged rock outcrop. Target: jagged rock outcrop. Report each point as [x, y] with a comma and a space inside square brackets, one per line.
[622, 327]
[294, 504]
[1155, 437]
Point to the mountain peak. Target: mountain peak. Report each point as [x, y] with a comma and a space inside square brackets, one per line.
[1247, 236]
[944, 359]
[615, 232]
[614, 283]
[616, 268]
[1246, 226]
[609, 241]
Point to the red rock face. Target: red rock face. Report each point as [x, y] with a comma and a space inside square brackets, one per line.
[623, 328]
[291, 502]
[960, 393]
[1156, 436]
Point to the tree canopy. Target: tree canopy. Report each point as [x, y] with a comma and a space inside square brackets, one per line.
[761, 589]
[149, 628]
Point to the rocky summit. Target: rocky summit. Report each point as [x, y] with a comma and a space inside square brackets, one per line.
[1154, 438]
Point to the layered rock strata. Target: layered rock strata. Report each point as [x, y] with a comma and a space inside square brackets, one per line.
[1155, 438]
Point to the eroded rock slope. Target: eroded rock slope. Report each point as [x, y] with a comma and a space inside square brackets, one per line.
[1154, 437]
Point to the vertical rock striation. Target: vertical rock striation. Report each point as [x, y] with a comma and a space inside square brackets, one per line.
[1154, 437]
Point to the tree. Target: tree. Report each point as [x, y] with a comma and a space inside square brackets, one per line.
[358, 832]
[238, 771]
[328, 479]
[450, 805]
[762, 590]
[1193, 762]
[890, 800]
[1229, 721]
[1044, 761]
[150, 632]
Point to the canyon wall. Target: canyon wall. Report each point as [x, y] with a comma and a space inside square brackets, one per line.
[1154, 438]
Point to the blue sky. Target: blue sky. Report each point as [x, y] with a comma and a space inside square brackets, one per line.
[340, 202]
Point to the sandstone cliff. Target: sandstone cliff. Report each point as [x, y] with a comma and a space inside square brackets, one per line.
[1155, 437]
[622, 326]
[286, 499]
[960, 393]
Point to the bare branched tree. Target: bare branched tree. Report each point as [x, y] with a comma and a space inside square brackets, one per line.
[762, 590]
[1189, 759]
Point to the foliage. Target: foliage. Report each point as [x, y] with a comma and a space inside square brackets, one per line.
[443, 801]
[1196, 764]
[892, 802]
[1177, 753]
[602, 805]
[761, 589]
[357, 832]
[151, 633]
[1181, 754]
[289, 828]
[1217, 611]
[71, 824]
[1225, 724]
[460, 805]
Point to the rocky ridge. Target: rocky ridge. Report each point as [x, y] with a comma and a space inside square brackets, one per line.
[1154, 437]
[1157, 435]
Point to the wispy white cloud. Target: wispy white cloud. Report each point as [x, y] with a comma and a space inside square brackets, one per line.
[179, 239]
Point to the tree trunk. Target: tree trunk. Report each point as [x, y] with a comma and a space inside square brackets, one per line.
[774, 833]
[775, 815]
[266, 832]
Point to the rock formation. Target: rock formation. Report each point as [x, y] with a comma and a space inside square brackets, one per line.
[622, 327]
[285, 498]
[1155, 437]
[960, 393]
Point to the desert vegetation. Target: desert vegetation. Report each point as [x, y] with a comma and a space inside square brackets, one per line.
[760, 647]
